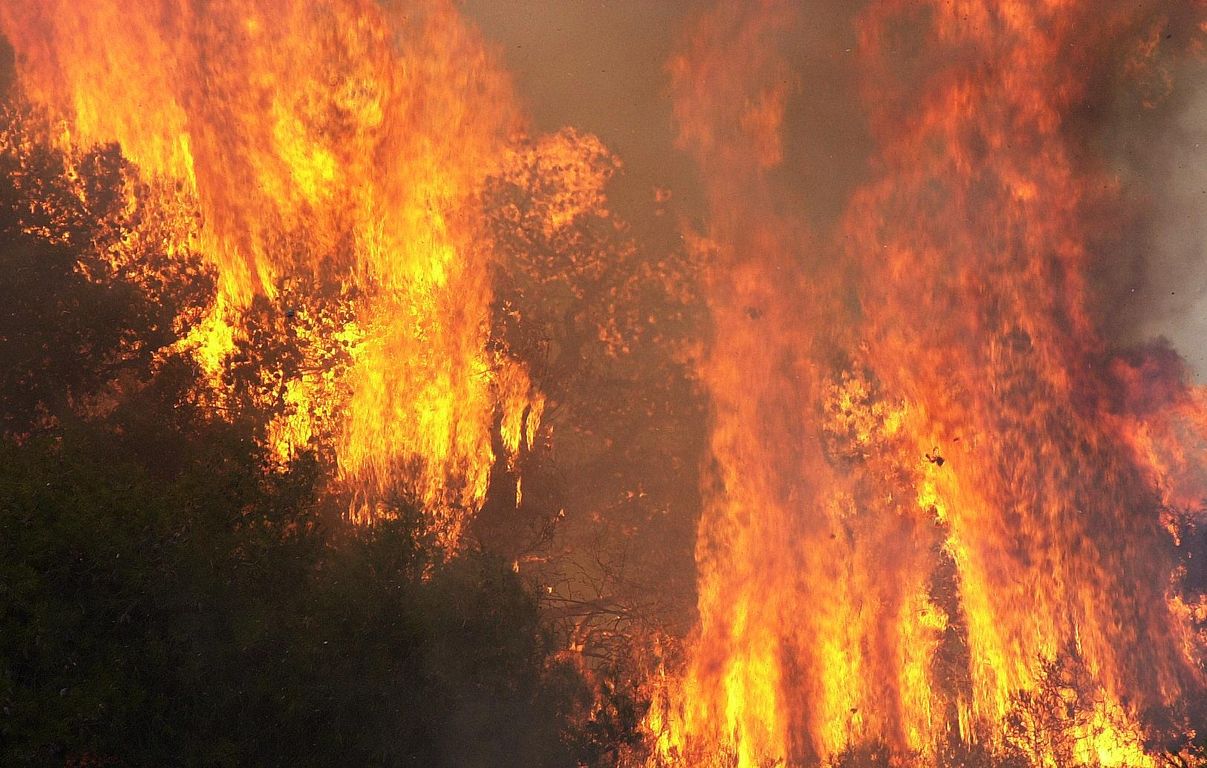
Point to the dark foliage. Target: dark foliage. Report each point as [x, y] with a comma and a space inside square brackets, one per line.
[169, 599]
[209, 618]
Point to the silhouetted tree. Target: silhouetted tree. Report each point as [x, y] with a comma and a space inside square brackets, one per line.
[170, 596]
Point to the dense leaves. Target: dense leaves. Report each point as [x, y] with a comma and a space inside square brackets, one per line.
[604, 314]
[210, 618]
[171, 596]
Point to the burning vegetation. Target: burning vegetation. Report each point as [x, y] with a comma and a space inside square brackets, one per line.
[350, 417]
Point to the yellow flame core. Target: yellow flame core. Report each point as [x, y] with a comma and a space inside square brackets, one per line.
[953, 533]
[334, 137]
[890, 544]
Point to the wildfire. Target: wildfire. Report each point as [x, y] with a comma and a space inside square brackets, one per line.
[339, 145]
[938, 504]
[934, 521]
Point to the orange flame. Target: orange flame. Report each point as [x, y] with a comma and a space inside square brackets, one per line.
[343, 137]
[936, 499]
[919, 499]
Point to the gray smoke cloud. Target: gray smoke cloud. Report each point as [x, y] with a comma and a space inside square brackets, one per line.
[601, 66]
[1162, 157]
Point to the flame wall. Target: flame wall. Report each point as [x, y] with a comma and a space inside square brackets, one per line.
[926, 480]
[927, 468]
[344, 137]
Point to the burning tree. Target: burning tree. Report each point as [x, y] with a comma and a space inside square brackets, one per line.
[876, 488]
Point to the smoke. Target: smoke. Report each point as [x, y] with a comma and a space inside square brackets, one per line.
[6, 66]
[601, 67]
[1160, 153]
